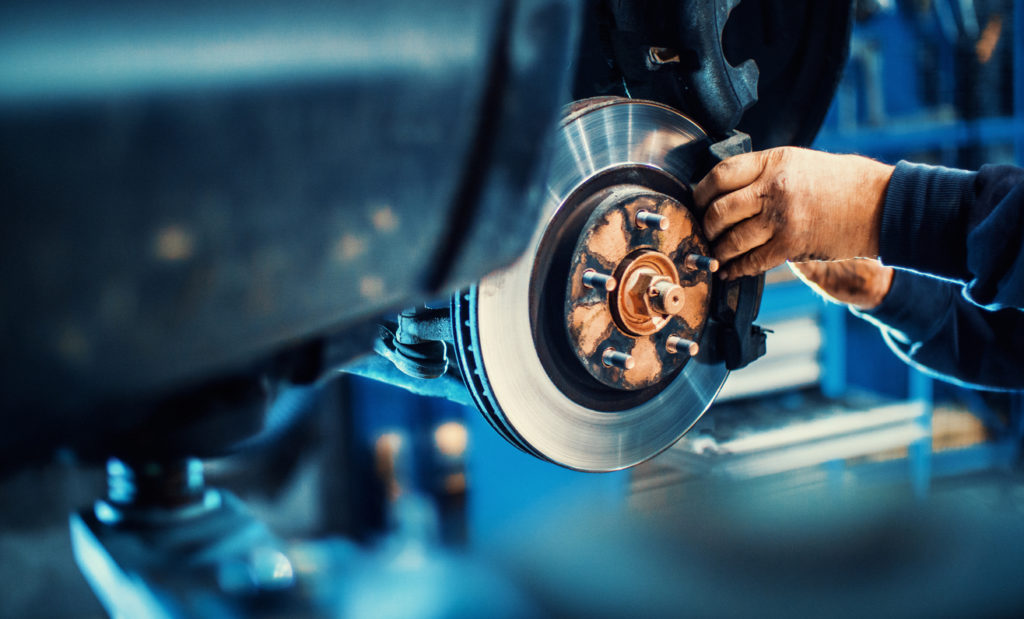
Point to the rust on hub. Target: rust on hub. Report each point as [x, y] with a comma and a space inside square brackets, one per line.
[665, 297]
[650, 294]
[645, 242]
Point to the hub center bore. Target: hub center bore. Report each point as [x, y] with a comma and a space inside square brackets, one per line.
[638, 291]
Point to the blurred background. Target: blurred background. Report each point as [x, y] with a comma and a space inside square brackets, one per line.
[829, 410]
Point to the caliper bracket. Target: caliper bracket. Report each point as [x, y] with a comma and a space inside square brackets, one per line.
[731, 335]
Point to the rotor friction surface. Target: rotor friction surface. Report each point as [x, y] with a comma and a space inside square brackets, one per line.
[519, 392]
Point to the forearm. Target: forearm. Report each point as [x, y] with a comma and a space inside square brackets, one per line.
[930, 324]
[967, 227]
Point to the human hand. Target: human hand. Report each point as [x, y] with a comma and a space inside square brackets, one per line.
[767, 207]
[861, 283]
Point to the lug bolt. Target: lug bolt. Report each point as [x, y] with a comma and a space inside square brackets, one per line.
[612, 357]
[675, 344]
[647, 219]
[697, 262]
[593, 279]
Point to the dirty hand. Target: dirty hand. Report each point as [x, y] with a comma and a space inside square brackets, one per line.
[766, 207]
[861, 283]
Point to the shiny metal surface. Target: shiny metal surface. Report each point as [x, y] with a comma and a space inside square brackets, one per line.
[549, 423]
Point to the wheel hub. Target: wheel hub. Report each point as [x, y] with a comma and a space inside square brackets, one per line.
[637, 296]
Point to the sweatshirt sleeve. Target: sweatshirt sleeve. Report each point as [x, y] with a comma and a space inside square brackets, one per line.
[965, 227]
[931, 324]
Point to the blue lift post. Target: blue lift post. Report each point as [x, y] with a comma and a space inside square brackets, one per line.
[505, 486]
[920, 452]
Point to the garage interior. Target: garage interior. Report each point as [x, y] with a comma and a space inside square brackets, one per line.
[290, 292]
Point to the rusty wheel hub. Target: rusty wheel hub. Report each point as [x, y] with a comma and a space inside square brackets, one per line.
[638, 291]
[650, 294]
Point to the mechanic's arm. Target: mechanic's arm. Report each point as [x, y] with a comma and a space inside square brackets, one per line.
[927, 321]
[767, 207]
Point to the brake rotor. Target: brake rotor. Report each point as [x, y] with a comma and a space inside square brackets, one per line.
[587, 350]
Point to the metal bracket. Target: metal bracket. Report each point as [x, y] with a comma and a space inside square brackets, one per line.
[161, 544]
[722, 92]
[418, 343]
[672, 52]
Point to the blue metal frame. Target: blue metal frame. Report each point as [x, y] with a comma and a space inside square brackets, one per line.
[793, 298]
[893, 36]
[886, 142]
[911, 133]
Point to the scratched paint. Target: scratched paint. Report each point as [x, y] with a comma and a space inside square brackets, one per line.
[695, 307]
[609, 241]
[384, 219]
[679, 231]
[590, 325]
[647, 370]
[349, 247]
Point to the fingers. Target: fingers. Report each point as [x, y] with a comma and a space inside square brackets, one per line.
[743, 237]
[729, 175]
[755, 262]
[732, 209]
[739, 212]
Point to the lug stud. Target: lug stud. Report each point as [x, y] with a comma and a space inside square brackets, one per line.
[675, 344]
[647, 219]
[593, 279]
[697, 262]
[612, 357]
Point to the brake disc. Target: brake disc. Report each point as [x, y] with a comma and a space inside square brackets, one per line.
[587, 350]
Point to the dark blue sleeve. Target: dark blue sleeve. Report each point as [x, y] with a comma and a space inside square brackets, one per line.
[966, 227]
[930, 324]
